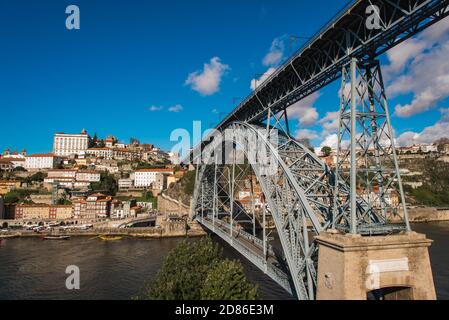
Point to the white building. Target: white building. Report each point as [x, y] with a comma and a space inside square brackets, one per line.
[429, 148]
[147, 177]
[40, 161]
[125, 183]
[70, 144]
[88, 176]
[72, 178]
[17, 162]
[105, 153]
[64, 177]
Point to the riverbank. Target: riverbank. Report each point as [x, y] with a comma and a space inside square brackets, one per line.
[193, 231]
[427, 214]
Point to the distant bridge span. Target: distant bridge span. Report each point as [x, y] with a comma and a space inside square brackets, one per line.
[305, 197]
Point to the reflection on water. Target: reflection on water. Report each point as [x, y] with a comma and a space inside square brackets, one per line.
[35, 269]
[439, 254]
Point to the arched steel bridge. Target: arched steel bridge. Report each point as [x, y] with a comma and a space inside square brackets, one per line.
[300, 195]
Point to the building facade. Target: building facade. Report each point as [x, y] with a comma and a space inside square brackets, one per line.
[40, 161]
[93, 207]
[70, 144]
[125, 183]
[104, 153]
[8, 185]
[146, 178]
[43, 212]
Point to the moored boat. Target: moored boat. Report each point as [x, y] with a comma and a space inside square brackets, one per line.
[56, 238]
[111, 238]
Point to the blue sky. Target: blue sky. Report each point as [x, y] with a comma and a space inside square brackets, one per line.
[141, 69]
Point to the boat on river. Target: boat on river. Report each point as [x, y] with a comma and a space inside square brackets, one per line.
[56, 238]
[111, 238]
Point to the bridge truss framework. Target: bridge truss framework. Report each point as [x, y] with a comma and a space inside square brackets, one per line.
[304, 196]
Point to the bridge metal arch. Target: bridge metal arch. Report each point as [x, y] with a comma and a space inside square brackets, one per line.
[299, 196]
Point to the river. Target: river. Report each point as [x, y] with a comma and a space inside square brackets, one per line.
[35, 269]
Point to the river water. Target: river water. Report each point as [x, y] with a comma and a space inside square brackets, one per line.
[35, 269]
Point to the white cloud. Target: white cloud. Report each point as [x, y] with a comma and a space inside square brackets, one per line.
[419, 66]
[257, 82]
[429, 135]
[330, 122]
[330, 141]
[155, 108]
[275, 54]
[207, 82]
[175, 108]
[304, 111]
[306, 134]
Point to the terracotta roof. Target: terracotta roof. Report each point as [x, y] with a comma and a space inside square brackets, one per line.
[12, 158]
[9, 181]
[97, 195]
[99, 149]
[155, 170]
[41, 155]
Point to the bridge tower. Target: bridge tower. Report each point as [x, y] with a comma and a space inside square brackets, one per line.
[369, 261]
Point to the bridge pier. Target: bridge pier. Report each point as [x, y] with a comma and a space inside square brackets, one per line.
[393, 267]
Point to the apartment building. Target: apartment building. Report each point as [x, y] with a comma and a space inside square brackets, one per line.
[93, 207]
[104, 153]
[43, 212]
[72, 178]
[40, 161]
[125, 183]
[147, 177]
[8, 185]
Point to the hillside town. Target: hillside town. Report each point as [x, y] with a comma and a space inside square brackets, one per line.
[85, 180]
[88, 180]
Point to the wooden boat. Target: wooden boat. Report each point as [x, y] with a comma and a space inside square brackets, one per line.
[111, 238]
[56, 238]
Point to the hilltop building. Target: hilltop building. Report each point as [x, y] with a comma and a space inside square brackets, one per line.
[70, 144]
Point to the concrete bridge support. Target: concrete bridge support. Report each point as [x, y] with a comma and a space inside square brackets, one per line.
[393, 267]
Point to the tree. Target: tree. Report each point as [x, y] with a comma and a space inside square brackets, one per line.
[226, 281]
[93, 141]
[195, 270]
[185, 270]
[19, 169]
[107, 184]
[441, 144]
[37, 177]
[326, 151]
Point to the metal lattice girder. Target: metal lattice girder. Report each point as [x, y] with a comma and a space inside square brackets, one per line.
[299, 195]
[366, 155]
[320, 61]
[304, 196]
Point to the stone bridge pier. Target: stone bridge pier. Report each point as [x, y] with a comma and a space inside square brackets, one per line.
[393, 267]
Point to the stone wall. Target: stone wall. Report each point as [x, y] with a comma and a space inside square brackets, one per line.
[428, 214]
[169, 206]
